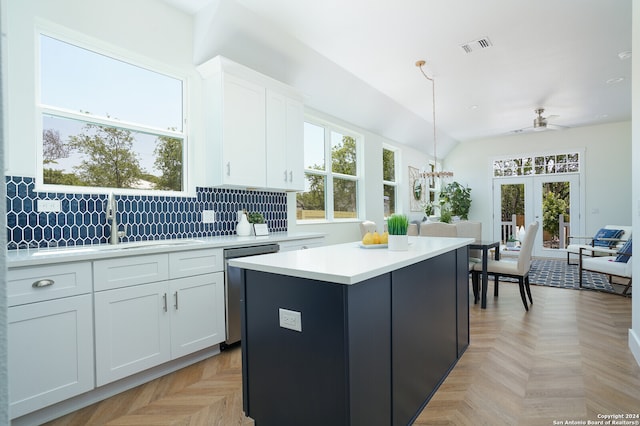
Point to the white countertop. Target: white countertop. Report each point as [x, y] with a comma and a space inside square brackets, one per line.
[42, 256]
[349, 263]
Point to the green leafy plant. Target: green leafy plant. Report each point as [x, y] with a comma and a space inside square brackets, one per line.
[397, 224]
[511, 239]
[429, 208]
[458, 197]
[255, 217]
[445, 214]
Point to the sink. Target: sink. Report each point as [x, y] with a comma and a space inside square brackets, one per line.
[114, 247]
[153, 243]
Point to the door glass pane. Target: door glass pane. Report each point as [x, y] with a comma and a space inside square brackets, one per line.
[310, 203]
[555, 214]
[512, 210]
[344, 198]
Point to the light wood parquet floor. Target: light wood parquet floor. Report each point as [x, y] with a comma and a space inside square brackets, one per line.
[567, 359]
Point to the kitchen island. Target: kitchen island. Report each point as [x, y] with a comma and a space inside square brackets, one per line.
[346, 335]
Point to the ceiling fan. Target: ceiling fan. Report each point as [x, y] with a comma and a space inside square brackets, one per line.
[541, 123]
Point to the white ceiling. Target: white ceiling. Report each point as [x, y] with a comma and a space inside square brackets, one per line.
[557, 54]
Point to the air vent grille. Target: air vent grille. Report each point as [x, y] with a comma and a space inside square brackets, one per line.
[475, 45]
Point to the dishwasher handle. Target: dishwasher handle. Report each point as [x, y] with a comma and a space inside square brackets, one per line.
[235, 252]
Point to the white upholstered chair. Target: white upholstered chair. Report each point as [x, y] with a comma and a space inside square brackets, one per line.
[367, 226]
[514, 269]
[613, 263]
[471, 229]
[613, 241]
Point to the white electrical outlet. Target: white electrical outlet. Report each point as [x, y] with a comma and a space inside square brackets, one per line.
[208, 216]
[290, 319]
[49, 206]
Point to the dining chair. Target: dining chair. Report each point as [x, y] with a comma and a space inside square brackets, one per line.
[471, 229]
[514, 269]
[367, 226]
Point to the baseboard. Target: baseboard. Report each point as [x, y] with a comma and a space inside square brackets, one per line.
[634, 345]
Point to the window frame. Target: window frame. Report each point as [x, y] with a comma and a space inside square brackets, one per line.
[40, 109]
[329, 174]
[395, 183]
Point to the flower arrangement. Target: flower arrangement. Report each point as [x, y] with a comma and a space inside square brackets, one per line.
[397, 224]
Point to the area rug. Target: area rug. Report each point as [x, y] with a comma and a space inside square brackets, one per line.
[556, 273]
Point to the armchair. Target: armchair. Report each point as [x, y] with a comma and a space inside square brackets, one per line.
[604, 262]
[610, 237]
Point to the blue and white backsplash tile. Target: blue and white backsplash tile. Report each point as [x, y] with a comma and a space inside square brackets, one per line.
[82, 219]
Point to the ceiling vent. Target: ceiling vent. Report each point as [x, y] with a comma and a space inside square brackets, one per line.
[480, 44]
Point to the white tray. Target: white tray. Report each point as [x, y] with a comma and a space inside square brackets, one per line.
[372, 246]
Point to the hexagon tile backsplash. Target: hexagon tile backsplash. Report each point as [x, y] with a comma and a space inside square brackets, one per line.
[82, 217]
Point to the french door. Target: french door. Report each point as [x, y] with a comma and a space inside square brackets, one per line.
[553, 200]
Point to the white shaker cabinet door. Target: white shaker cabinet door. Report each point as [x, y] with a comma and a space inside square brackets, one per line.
[132, 330]
[50, 352]
[285, 142]
[197, 313]
[243, 133]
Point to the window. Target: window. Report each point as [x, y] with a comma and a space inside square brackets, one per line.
[331, 174]
[389, 181]
[537, 165]
[107, 123]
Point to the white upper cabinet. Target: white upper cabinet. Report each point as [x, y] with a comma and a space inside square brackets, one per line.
[285, 145]
[254, 129]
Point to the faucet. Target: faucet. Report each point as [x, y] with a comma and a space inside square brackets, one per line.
[112, 210]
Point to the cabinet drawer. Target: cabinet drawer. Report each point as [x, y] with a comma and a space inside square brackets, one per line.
[124, 272]
[195, 262]
[36, 284]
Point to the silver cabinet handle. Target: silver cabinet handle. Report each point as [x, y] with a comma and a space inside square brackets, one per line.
[285, 175]
[229, 168]
[165, 301]
[176, 297]
[291, 176]
[42, 283]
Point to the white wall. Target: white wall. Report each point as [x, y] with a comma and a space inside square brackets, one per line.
[4, 368]
[607, 160]
[634, 332]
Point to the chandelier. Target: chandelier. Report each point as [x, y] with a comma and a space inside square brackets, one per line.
[430, 174]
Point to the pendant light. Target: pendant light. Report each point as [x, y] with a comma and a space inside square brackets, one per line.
[435, 173]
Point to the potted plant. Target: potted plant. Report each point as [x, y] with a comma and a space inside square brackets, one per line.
[397, 226]
[511, 241]
[445, 213]
[255, 217]
[458, 197]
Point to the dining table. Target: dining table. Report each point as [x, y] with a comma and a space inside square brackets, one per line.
[485, 246]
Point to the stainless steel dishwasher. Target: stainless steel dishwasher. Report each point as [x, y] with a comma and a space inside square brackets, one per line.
[233, 280]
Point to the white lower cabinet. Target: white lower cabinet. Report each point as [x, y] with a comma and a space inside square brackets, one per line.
[197, 313]
[132, 330]
[146, 324]
[50, 352]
